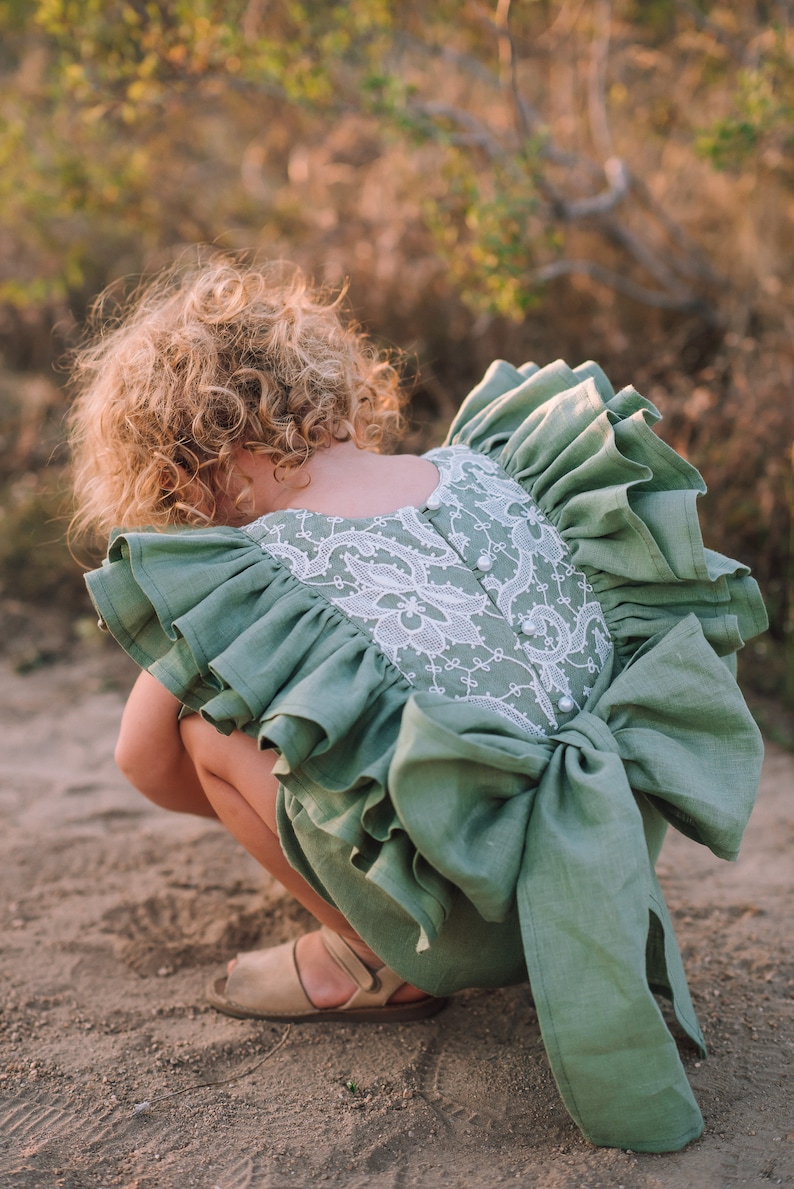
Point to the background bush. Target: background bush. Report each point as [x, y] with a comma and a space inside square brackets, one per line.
[541, 179]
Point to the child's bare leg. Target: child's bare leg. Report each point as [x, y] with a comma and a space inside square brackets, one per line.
[238, 781]
[151, 754]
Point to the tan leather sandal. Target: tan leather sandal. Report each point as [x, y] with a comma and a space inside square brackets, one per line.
[266, 985]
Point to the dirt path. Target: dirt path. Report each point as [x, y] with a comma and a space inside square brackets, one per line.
[113, 915]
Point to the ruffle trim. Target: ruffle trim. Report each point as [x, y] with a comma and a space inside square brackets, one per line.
[298, 677]
[623, 500]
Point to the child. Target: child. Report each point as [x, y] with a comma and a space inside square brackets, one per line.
[449, 701]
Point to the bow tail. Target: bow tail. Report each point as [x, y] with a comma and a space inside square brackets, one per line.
[666, 970]
[584, 892]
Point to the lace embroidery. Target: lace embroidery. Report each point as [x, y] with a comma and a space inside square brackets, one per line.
[475, 598]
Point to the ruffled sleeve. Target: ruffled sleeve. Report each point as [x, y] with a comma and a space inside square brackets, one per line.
[237, 638]
[234, 636]
[623, 500]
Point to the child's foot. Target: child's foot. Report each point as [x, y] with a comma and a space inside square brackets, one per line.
[326, 983]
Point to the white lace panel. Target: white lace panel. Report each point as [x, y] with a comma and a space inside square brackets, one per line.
[473, 596]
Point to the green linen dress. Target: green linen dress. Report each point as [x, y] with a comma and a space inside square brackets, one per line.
[486, 711]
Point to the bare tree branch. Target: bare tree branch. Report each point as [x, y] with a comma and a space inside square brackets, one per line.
[673, 272]
[470, 65]
[477, 134]
[563, 24]
[598, 208]
[548, 149]
[617, 281]
[596, 81]
[617, 176]
[525, 118]
[528, 119]
[253, 18]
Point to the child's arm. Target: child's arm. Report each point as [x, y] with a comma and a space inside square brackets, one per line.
[150, 752]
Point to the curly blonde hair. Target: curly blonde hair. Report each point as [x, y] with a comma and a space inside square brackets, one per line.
[202, 362]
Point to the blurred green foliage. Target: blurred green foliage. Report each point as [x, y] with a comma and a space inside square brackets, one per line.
[102, 101]
[107, 107]
[760, 121]
[551, 177]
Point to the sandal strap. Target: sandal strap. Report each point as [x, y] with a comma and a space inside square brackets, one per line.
[375, 987]
[348, 960]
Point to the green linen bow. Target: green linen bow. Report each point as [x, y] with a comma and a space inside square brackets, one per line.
[563, 825]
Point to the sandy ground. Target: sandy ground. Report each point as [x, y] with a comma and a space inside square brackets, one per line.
[114, 915]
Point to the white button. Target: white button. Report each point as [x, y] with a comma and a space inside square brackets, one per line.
[433, 501]
[484, 562]
[566, 704]
[530, 628]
